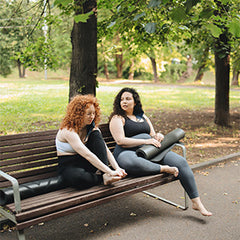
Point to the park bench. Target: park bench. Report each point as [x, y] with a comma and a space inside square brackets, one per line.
[29, 157]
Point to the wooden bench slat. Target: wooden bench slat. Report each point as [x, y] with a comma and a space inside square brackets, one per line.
[25, 140]
[22, 147]
[29, 152]
[25, 160]
[77, 199]
[22, 180]
[18, 167]
[52, 197]
[7, 138]
[32, 172]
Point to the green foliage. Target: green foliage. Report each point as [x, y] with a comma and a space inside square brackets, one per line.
[23, 40]
[173, 72]
[5, 62]
[83, 17]
[74, 8]
[38, 54]
[234, 27]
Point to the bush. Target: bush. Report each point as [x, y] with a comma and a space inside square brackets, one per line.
[173, 72]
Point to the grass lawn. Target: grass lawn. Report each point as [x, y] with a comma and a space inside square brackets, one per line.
[32, 104]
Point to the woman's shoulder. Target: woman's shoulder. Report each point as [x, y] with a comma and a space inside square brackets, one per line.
[116, 119]
[65, 132]
[145, 116]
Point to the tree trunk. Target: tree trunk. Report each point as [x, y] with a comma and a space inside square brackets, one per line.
[106, 71]
[131, 70]
[222, 72]
[154, 66]
[21, 72]
[200, 74]
[19, 68]
[83, 71]
[119, 57]
[222, 69]
[235, 78]
[185, 75]
[119, 62]
[203, 64]
[189, 66]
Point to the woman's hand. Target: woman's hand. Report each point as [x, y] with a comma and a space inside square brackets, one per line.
[119, 172]
[159, 137]
[153, 141]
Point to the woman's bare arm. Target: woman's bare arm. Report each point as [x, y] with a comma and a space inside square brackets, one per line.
[117, 130]
[74, 140]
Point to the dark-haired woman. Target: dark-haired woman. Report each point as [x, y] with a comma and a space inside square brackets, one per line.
[131, 129]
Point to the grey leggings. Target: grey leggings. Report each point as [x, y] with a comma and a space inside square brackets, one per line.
[138, 166]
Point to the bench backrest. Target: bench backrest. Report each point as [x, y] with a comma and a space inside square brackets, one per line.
[32, 156]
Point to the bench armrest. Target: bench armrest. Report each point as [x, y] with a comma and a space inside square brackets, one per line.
[16, 192]
[183, 148]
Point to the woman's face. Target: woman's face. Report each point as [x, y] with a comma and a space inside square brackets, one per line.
[127, 102]
[89, 115]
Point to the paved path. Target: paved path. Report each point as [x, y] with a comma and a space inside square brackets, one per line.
[139, 217]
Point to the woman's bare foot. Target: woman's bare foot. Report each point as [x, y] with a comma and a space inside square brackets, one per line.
[198, 206]
[171, 170]
[108, 180]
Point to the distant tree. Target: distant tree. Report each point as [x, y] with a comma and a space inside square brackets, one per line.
[13, 35]
[235, 58]
[22, 40]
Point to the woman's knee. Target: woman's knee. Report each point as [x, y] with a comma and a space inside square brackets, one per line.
[95, 135]
[126, 160]
[176, 160]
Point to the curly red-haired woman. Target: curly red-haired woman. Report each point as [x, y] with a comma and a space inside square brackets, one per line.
[82, 153]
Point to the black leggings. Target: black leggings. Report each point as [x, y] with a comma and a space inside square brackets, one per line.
[78, 172]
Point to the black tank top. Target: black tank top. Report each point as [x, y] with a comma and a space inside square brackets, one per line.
[132, 128]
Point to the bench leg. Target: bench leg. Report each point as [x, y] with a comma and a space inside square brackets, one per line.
[20, 234]
[185, 207]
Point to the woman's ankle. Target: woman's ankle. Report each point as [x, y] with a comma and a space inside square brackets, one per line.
[198, 206]
[170, 170]
[108, 180]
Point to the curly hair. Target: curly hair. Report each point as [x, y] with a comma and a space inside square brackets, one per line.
[117, 110]
[76, 109]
